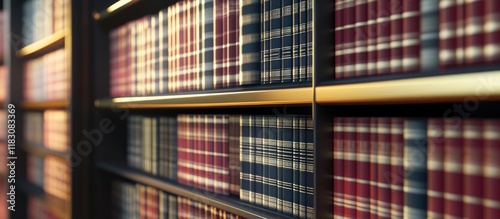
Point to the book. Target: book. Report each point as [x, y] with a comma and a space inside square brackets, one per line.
[453, 168]
[473, 168]
[491, 199]
[435, 163]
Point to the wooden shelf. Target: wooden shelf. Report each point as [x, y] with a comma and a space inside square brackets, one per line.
[483, 86]
[45, 152]
[286, 96]
[220, 201]
[58, 104]
[45, 45]
[127, 10]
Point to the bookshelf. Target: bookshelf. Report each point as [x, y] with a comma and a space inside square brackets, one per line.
[62, 33]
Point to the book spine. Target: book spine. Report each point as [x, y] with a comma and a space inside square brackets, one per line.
[373, 125]
[383, 167]
[296, 166]
[339, 40]
[350, 185]
[250, 46]
[279, 163]
[460, 32]
[435, 163]
[200, 167]
[474, 32]
[310, 39]
[287, 165]
[473, 168]
[492, 32]
[272, 162]
[181, 149]
[302, 167]
[258, 161]
[310, 168]
[252, 145]
[264, 41]
[349, 38]
[361, 38]
[276, 41]
[234, 163]
[225, 42]
[244, 157]
[411, 18]
[296, 41]
[338, 167]
[225, 154]
[415, 168]
[453, 169]
[383, 37]
[287, 41]
[362, 167]
[218, 43]
[491, 173]
[234, 42]
[173, 148]
[265, 161]
[303, 40]
[396, 37]
[447, 36]
[396, 176]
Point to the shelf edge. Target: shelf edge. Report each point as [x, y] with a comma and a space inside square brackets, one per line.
[55, 40]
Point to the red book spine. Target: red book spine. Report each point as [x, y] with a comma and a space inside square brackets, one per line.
[142, 202]
[181, 132]
[113, 46]
[338, 167]
[152, 203]
[373, 168]
[197, 152]
[492, 32]
[460, 32]
[225, 42]
[234, 44]
[218, 168]
[447, 35]
[225, 154]
[473, 168]
[172, 27]
[384, 167]
[372, 30]
[474, 32]
[396, 27]
[491, 172]
[209, 145]
[383, 37]
[350, 167]
[339, 41]
[349, 39]
[411, 36]
[185, 46]
[396, 177]
[453, 169]
[218, 43]
[435, 162]
[234, 153]
[363, 167]
[361, 38]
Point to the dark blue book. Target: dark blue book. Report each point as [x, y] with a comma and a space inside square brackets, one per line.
[302, 167]
[265, 160]
[265, 41]
[303, 40]
[251, 146]
[415, 182]
[172, 206]
[296, 166]
[207, 80]
[287, 167]
[244, 158]
[275, 45]
[310, 40]
[272, 164]
[310, 168]
[295, 41]
[286, 41]
[250, 56]
[258, 167]
[173, 148]
[279, 162]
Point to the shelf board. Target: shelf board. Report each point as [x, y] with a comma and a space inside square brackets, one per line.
[483, 86]
[123, 11]
[42, 151]
[287, 96]
[45, 45]
[41, 105]
[220, 201]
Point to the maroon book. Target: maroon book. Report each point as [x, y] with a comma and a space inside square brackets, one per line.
[396, 177]
[435, 162]
[474, 32]
[491, 172]
[338, 167]
[339, 41]
[492, 32]
[396, 38]
[460, 32]
[362, 167]
[350, 167]
[361, 37]
[473, 168]
[384, 167]
[453, 168]
[372, 33]
[447, 35]
[218, 43]
[411, 36]
[373, 167]
[383, 37]
[349, 38]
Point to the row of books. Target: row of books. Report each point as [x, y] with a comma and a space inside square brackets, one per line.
[286, 33]
[211, 44]
[152, 145]
[50, 173]
[394, 36]
[416, 167]
[140, 201]
[48, 129]
[46, 77]
[42, 18]
[277, 163]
